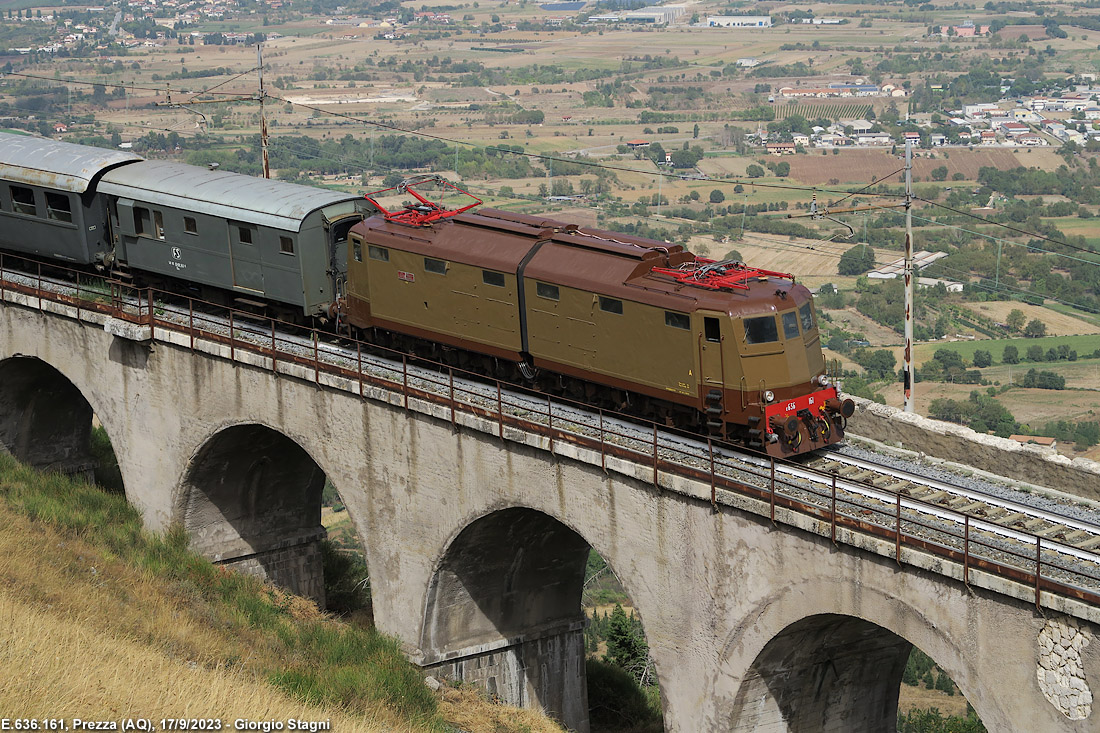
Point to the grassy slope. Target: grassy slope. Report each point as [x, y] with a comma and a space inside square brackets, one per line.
[101, 619]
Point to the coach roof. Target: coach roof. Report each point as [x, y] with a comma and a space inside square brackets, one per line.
[227, 195]
[52, 164]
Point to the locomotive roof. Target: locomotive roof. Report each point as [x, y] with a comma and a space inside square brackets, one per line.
[53, 164]
[608, 263]
[260, 201]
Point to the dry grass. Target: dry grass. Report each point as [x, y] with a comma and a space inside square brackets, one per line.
[66, 665]
[1058, 324]
[468, 709]
[100, 620]
[865, 165]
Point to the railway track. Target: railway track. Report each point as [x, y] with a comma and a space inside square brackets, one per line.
[1053, 544]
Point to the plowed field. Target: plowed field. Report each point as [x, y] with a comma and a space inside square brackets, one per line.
[863, 166]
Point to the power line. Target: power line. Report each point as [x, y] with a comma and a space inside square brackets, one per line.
[1006, 226]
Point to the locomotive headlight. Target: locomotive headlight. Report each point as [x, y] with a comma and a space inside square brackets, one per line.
[823, 381]
[769, 396]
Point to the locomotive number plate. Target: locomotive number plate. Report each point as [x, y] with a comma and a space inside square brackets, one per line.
[406, 276]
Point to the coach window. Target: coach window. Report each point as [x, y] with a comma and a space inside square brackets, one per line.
[22, 201]
[761, 330]
[245, 235]
[158, 224]
[492, 278]
[378, 253]
[546, 290]
[611, 305]
[58, 207]
[438, 267]
[286, 245]
[141, 221]
[790, 325]
[677, 320]
[190, 225]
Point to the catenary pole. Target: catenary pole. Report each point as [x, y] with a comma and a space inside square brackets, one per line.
[909, 284]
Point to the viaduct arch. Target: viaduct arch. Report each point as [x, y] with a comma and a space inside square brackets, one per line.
[733, 606]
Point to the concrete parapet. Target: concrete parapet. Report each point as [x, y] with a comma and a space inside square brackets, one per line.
[1000, 456]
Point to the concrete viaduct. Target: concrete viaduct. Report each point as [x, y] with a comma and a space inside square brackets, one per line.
[476, 543]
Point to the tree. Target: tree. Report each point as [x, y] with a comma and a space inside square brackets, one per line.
[982, 358]
[755, 171]
[1015, 320]
[717, 197]
[940, 173]
[857, 260]
[1035, 353]
[626, 644]
[1011, 355]
[1035, 328]
[782, 169]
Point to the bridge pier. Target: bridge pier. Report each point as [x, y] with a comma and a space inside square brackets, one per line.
[543, 670]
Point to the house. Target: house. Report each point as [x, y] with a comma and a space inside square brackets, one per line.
[988, 137]
[748, 62]
[781, 148]
[60, 127]
[635, 144]
[799, 139]
[1091, 113]
[1014, 128]
[911, 136]
[937, 138]
[858, 126]
[1029, 139]
[874, 138]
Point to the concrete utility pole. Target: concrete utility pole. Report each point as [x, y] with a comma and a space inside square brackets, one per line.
[909, 284]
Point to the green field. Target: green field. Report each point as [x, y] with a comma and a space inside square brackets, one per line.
[1083, 344]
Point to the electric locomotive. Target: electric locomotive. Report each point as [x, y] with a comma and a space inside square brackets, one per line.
[635, 324]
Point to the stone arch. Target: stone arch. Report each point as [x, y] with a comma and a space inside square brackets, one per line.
[503, 610]
[250, 499]
[833, 664]
[45, 419]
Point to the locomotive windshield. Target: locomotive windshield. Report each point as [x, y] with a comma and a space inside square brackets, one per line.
[761, 330]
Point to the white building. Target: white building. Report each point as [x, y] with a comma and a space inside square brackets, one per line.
[739, 21]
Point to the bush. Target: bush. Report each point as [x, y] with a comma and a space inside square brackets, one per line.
[857, 260]
[615, 701]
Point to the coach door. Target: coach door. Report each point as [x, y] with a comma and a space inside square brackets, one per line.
[244, 249]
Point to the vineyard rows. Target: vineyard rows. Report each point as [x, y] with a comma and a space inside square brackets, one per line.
[832, 112]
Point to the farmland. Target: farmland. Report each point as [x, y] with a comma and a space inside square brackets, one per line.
[835, 111]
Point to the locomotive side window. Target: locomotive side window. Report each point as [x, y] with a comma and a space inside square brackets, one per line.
[22, 201]
[245, 235]
[545, 290]
[357, 249]
[378, 253]
[790, 325]
[438, 267]
[492, 278]
[286, 245]
[677, 320]
[58, 207]
[141, 221]
[158, 224]
[611, 305]
[190, 225]
[761, 330]
[712, 330]
[807, 314]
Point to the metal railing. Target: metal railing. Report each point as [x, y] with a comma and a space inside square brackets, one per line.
[1042, 564]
